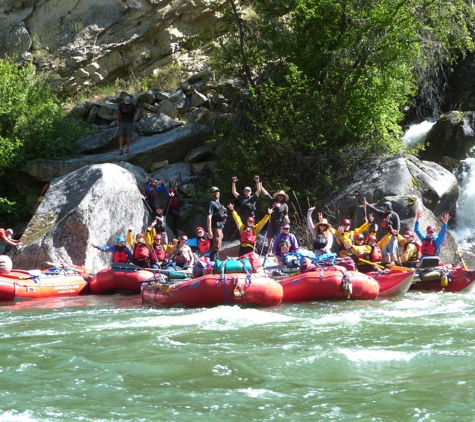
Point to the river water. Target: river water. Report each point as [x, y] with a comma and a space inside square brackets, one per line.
[110, 358]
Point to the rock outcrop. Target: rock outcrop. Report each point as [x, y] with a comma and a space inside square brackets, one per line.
[88, 42]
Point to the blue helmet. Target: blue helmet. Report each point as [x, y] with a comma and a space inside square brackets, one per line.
[120, 239]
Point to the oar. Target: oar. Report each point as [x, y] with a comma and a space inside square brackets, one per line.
[72, 267]
[398, 268]
[371, 263]
[462, 261]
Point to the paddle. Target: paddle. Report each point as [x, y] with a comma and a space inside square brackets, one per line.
[71, 267]
[462, 261]
[364, 261]
[398, 268]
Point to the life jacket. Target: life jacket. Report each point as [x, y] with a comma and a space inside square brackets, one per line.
[386, 222]
[415, 257]
[120, 255]
[428, 247]
[375, 255]
[222, 213]
[204, 245]
[320, 242]
[158, 253]
[174, 206]
[141, 252]
[248, 236]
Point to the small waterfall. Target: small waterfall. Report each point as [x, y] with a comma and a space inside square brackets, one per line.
[464, 231]
[417, 133]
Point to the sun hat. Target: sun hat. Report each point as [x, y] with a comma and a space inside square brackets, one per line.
[324, 222]
[281, 192]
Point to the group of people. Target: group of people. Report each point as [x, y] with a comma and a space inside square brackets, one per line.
[153, 249]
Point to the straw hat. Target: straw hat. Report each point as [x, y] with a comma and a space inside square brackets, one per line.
[281, 192]
[324, 222]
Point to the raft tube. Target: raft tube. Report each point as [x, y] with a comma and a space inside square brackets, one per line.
[120, 278]
[329, 285]
[214, 290]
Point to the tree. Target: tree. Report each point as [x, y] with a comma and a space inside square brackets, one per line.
[350, 68]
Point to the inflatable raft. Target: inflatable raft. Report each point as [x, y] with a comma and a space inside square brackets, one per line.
[119, 278]
[444, 278]
[36, 284]
[392, 282]
[215, 289]
[329, 284]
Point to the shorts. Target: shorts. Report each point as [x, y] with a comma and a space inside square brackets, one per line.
[391, 247]
[126, 129]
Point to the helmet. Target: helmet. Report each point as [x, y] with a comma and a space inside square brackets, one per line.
[431, 229]
[10, 232]
[409, 233]
[371, 237]
[199, 228]
[172, 189]
[345, 221]
[158, 237]
[139, 235]
[284, 242]
[251, 218]
[120, 239]
[359, 236]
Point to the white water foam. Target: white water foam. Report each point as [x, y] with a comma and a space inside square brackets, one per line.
[417, 133]
[466, 204]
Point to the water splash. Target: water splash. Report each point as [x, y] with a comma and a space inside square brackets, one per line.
[417, 133]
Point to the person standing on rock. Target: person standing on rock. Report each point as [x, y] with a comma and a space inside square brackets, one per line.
[390, 225]
[126, 116]
[431, 242]
[216, 219]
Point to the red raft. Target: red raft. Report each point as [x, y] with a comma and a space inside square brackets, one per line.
[444, 278]
[36, 284]
[214, 290]
[328, 285]
[119, 278]
[392, 283]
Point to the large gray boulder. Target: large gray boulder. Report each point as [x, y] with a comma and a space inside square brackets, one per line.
[401, 175]
[92, 205]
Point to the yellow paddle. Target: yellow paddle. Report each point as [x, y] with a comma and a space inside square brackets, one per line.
[462, 261]
[371, 263]
[397, 268]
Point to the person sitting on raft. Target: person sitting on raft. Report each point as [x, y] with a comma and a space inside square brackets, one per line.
[365, 253]
[180, 253]
[390, 225]
[249, 231]
[346, 236]
[158, 251]
[202, 244]
[431, 243]
[411, 250]
[322, 233]
[141, 252]
[121, 254]
[285, 238]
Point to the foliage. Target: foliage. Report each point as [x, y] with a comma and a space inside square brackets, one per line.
[346, 71]
[32, 124]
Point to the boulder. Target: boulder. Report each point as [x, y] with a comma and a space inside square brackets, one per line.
[166, 107]
[156, 123]
[453, 135]
[92, 205]
[401, 175]
[175, 174]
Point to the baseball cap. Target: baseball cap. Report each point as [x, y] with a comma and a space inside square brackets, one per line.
[214, 189]
[127, 100]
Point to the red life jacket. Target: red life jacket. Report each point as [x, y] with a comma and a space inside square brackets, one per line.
[385, 222]
[204, 245]
[375, 255]
[158, 254]
[120, 255]
[141, 252]
[428, 247]
[248, 236]
[416, 256]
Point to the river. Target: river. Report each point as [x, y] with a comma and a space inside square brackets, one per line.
[110, 358]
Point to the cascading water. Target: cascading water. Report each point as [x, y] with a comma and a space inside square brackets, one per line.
[417, 133]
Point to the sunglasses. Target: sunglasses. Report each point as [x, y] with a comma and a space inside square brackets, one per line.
[184, 239]
[430, 231]
[200, 231]
[346, 224]
[286, 228]
[359, 239]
